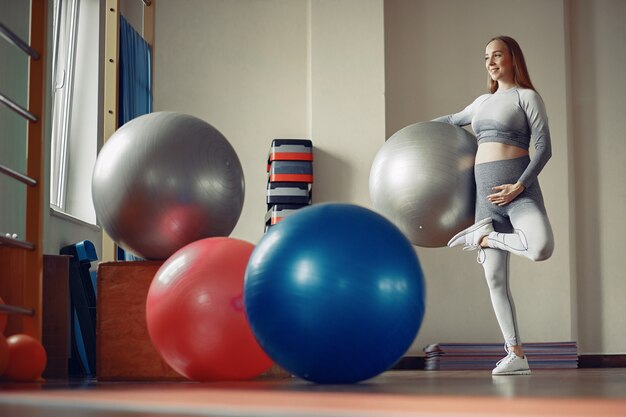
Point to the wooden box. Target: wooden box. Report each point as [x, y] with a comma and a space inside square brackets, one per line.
[124, 351]
[56, 315]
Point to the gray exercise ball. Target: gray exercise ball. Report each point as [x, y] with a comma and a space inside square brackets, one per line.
[422, 179]
[164, 180]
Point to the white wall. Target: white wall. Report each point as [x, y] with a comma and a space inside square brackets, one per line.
[242, 67]
[133, 13]
[435, 66]
[598, 59]
[298, 68]
[347, 96]
[279, 69]
[259, 70]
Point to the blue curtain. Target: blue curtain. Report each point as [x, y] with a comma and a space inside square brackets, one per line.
[135, 75]
[135, 85]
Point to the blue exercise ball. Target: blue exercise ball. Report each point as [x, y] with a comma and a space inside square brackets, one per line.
[334, 293]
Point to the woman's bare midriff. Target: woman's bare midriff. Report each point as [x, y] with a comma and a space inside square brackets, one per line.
[495, 151]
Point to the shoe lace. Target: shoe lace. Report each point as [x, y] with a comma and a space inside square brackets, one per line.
[481, 256]
[508, 357]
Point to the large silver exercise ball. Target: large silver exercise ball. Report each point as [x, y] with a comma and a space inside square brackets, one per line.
[164, 180]
[422, 179]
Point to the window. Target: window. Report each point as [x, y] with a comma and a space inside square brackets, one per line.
[63, 59]
[75, 110]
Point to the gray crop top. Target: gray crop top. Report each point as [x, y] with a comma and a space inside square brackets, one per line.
[511, 117]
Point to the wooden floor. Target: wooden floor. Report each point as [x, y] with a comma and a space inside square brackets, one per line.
[575, 392]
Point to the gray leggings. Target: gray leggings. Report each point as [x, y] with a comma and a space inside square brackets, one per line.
[521, 227]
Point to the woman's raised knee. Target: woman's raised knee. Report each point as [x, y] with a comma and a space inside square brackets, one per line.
[541, 254]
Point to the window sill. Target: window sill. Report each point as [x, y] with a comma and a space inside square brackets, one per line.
[68, 217]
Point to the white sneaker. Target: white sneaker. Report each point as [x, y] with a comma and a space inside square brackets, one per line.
[512, 364]
[471, 236]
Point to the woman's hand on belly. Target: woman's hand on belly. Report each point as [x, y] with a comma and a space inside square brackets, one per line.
[505, 193]
[496, 151]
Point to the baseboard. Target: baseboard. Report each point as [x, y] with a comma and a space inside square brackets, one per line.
[410, 363]
[414, 363]
[602, 361]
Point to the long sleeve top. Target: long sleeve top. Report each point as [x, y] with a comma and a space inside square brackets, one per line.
[513, 117]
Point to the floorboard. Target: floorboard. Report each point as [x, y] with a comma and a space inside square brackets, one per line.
[572, 392]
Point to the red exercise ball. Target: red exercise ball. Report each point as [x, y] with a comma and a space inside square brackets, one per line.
[4, 354]
[195, 313]
[27, 358]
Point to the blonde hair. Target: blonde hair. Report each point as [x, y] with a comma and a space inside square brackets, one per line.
[521, 77]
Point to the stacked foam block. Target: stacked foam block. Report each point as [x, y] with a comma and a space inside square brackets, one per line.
[290, 178]
[469, 356]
